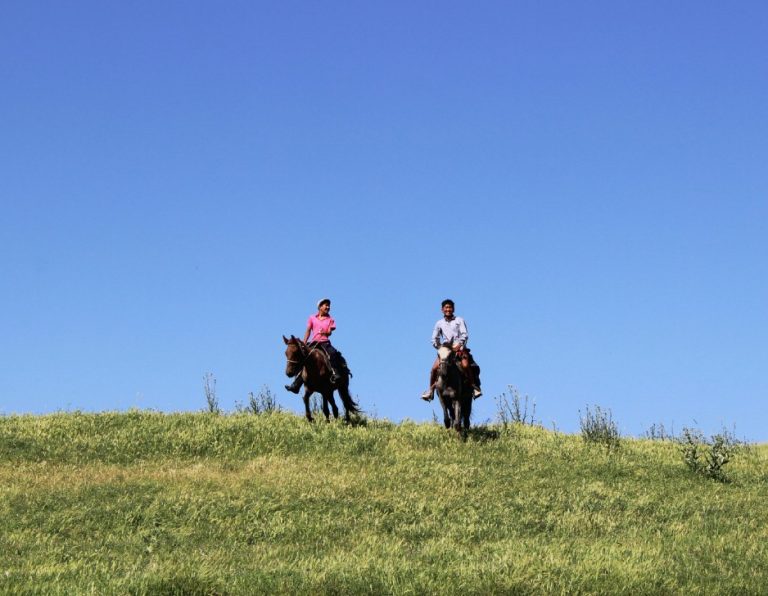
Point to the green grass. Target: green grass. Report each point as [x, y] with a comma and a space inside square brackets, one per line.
[151, 503]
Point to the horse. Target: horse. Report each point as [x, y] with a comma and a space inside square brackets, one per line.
[311, 363]
[454, 393]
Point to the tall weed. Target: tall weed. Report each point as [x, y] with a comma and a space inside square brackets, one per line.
[659, 432]
[209, 387]
[511, 409]
[599, 427]
[264, 402]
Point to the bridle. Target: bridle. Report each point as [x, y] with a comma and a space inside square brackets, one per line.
[301, 351]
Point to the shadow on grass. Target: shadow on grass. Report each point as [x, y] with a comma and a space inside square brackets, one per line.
[356, 420]
[178, 584]
[481, 434]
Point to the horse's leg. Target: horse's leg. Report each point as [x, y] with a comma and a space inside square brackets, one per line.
[446, 413]
[457, 414]
[467, 412]
[334, 407]
[326, 412]
[307, 411]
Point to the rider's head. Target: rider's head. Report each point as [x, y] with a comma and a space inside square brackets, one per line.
[324, 302]
[447, 307]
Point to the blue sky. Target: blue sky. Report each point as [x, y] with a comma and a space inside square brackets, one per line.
[182, 181]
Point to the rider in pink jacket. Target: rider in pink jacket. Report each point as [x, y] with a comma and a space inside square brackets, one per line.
[319, 327]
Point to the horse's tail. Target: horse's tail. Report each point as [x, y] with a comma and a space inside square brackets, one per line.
[349, 404]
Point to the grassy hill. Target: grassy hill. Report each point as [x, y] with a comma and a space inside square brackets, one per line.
[149, 503]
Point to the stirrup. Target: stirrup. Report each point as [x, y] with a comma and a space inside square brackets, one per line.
[428, 395]
[476, 392]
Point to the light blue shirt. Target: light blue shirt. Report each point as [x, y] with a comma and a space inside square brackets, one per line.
[453, 332]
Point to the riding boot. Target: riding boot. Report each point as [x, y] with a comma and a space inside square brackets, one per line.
[337, 367]
[295, 387]
[428, 395]
[473, 381]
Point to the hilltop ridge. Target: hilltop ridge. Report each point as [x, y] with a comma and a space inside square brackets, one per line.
[145, 502]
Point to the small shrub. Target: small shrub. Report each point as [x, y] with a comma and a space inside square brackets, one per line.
[511, 408]
[708, 457]
[599, 427]
[209, 386]
[658, 432]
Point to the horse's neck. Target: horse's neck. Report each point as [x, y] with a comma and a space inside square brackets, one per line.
[451, 370]
[316, 362]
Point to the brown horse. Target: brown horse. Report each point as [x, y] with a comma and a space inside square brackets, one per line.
[454, 392]
[312, 364]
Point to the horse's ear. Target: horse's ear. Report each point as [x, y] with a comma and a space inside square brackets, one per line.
[284, 339]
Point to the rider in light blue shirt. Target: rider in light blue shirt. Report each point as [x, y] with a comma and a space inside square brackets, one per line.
[452, 329]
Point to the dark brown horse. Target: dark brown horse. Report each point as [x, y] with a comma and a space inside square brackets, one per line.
[453, 390]
[311, 362]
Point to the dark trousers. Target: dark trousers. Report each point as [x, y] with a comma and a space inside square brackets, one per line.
[327, 348]
[334, 356]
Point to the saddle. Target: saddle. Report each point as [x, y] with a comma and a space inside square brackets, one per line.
[341, 362]
[465, 352]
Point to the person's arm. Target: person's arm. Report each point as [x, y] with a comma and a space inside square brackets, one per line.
[309, 330]
[463, 334]
[436, 335]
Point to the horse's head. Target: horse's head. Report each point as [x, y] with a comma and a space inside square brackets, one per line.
[294, 356]
[446, 356]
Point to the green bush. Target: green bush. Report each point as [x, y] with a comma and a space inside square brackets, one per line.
[708, 457]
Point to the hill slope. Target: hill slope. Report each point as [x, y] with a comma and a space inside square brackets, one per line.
[144, 502]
